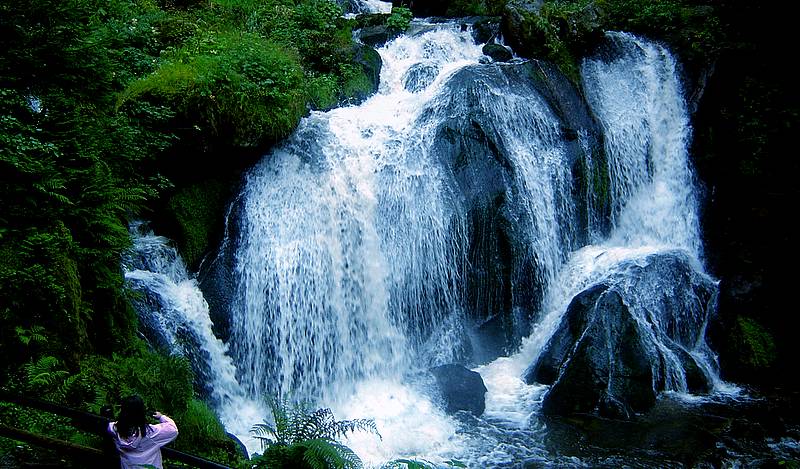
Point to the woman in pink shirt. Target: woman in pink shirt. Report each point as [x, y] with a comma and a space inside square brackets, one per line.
[138, 443]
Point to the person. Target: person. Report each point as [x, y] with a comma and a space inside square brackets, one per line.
[138, 443]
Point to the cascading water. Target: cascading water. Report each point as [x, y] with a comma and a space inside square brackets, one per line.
[348, 249]
[174, 315]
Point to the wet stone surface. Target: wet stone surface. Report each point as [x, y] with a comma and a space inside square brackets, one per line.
[755, 431]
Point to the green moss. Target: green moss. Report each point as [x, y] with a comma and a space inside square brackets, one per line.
[355, 83]
[202, 433]
[197, 212]
[601, 181]
[754, 345]
[230, 86]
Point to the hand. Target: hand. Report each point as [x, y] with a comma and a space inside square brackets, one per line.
[156, 415]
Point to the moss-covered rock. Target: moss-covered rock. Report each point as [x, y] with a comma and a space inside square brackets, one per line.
[751, 350]
[197, 212]
[560, 32]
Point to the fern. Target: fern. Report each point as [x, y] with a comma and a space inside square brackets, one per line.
[298, 430]
[44, 374]
[33, 335]
[417, 464]
[322, 453]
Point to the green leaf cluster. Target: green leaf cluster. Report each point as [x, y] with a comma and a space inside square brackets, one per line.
[399, 19]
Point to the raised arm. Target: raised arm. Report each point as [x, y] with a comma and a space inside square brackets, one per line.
[165, 431]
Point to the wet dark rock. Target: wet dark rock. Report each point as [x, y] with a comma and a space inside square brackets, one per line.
[461, 389]
[375, 36]
[419, 76]
[503, 277]
[498, 52]
[491, 339]
[750, 431]
[607, 357]
[216, 277]
[485, 29]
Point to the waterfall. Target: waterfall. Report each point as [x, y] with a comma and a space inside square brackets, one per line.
[638, 99]
[174, 316]
[634, 91]
[356, 244]
[348, 247]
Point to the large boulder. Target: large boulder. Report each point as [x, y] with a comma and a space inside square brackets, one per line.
[375, 36]
[622, 341]
[475, 139]
[420, 75]
[498, 52]
[485, 29]
[461, 389]
[370, 62]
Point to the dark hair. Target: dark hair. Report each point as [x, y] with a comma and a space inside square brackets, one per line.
[132, 420]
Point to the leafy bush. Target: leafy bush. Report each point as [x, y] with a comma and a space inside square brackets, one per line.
[400, 19]
[202, 433]
[230, 86]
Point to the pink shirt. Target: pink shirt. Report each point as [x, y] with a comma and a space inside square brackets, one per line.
[138, 451]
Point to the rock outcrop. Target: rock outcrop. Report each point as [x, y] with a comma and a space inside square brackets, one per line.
[461, 389]
[622, 341]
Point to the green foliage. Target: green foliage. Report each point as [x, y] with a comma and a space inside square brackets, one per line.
[301, 437]
[753, 344]
[163, 382]
[202, 433]
[458, 8]
[195, 209]
[399, 19]
[235, 87]
[693, 28]
[563, 31]
[45, 373]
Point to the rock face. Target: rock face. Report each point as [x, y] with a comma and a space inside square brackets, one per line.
[497, 52]
[461, 389]
[485, 29]
[371, 63]
[419, 76]
[503, 278]
[622, 341]
[374, 36]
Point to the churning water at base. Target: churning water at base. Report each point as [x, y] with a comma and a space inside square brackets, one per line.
[352, 243]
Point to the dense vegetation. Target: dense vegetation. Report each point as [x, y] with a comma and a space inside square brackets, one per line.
[103, 106]
[113, 110]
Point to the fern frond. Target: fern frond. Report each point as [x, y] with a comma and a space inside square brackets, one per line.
[350, 426]
[408, 464]
[44, 373]
[322, 453]
[265, 433]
